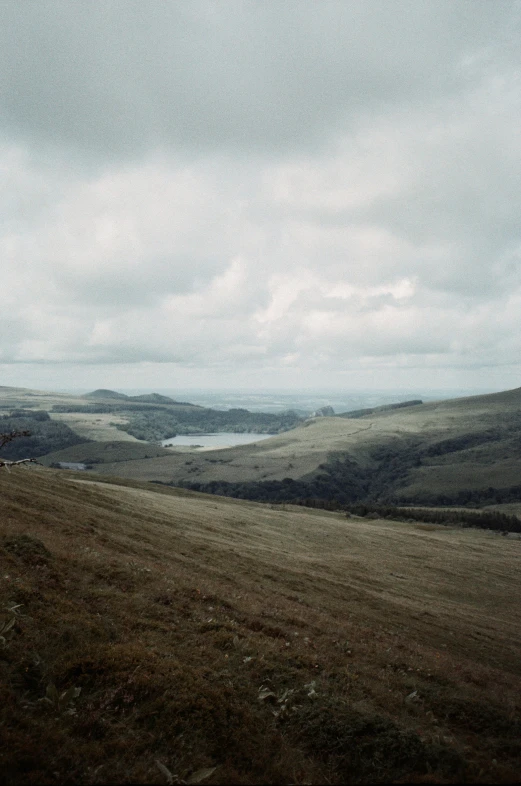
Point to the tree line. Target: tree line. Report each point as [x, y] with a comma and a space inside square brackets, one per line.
[37, 434]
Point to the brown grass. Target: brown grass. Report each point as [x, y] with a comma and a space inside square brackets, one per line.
[279, 646]
[104, 453]
[98, 426]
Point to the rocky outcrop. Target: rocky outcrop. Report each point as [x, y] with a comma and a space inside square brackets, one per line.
[324, 412]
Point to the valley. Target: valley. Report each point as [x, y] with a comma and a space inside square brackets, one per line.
[152, 632]
[451, 452]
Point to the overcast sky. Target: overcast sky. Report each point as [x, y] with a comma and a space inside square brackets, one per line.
[260, 194]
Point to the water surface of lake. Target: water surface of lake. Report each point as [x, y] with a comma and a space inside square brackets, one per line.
[221, 439]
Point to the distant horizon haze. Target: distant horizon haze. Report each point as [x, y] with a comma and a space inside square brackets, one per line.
[305, 400]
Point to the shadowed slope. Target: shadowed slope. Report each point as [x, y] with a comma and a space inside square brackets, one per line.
[275, 645]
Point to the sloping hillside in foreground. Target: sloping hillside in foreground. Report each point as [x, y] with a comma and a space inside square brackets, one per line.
[274, 645]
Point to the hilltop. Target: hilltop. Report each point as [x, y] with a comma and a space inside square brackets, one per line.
[102, 393]
[155, 398]
[235, 642]
[146, 398]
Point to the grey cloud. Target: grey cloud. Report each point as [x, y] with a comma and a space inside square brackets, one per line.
[118, 77]
[252, 187]
[12, 332]
[447, 194]
[145, 283]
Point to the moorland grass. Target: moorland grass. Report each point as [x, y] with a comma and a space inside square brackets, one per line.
[153, 627]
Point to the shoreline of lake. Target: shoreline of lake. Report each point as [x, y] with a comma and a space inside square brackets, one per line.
[217, 440]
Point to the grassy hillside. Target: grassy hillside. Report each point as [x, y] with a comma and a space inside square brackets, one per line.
[459, 452]
[358, 413]
[88, 425]
[100, 427]
[94, 453]
[464, 451]
[155, 635]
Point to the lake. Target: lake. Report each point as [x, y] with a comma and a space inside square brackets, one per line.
[221, 439]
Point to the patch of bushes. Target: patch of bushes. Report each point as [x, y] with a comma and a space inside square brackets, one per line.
[89, 409]
[489, 519]
[29, 549]
[338, 482]
[341, 484]
[45, 435]
[462, 442]
[155, 424]
[462, 497]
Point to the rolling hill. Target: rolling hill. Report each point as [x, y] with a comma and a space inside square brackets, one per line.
[463, 451]
[103, 393]
[108, 416]
[157, 635]
[459, 451]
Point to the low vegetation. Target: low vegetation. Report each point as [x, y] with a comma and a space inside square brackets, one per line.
[156, 635]
[153, 423]
[340, 481]
[488, 519]
[93, 453]
[317, 495]
[161, 424]
[42, 436]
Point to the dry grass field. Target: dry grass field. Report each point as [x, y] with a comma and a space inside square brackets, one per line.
[160, 636]
[97, 453]
[100, 427]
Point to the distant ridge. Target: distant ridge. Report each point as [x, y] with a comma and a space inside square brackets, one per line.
[145, 398]
[358, 413]
[153, 398]
[103, 393]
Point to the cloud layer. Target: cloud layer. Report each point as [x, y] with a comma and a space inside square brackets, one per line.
[234, 191]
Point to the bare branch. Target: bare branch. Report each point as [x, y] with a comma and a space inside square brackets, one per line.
[8, 464]
[5, 438]
[8, 437]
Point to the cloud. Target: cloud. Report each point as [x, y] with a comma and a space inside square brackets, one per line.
[118, 78]
[234, 188]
